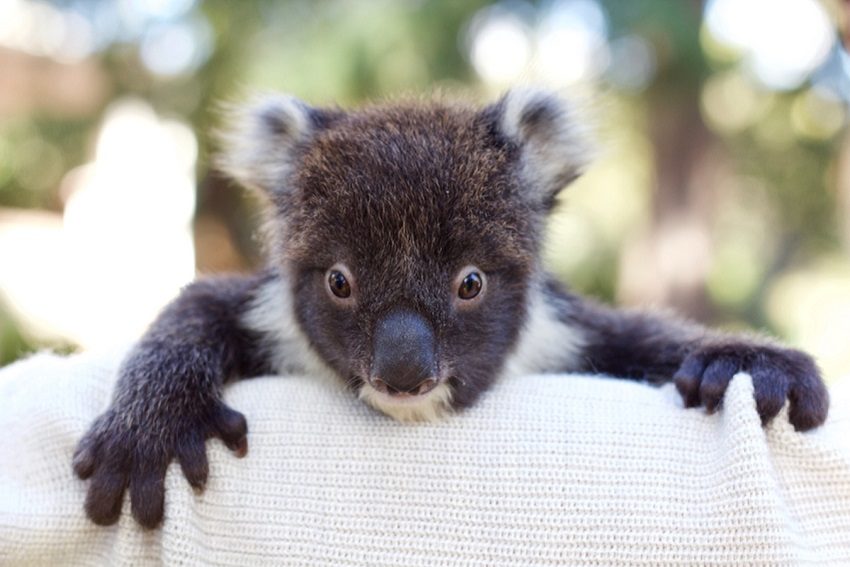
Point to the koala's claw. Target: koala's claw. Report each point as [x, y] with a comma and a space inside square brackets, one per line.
[778, 374]
[116, 456]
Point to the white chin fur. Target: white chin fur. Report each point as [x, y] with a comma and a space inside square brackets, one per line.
[427, 407]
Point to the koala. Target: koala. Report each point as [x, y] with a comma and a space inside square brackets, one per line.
[404, 260]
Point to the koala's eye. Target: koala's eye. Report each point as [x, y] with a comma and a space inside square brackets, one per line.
[470, 286]
[338, 284]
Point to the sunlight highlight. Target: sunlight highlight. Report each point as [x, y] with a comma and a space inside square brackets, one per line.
[125, 246]
[782, 41]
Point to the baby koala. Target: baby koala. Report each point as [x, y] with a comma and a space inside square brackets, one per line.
[404, 259]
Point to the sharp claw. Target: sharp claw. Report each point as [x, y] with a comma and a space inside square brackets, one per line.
[105, 497]
[240, 447]
[688, 388]
[83, 463]
[230, 424]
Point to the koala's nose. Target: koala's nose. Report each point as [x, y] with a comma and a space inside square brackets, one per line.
[404, 357]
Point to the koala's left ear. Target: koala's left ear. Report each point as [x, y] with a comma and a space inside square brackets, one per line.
[554, 145]
[261, 139]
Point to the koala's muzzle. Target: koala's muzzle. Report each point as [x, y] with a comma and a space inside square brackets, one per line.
[404, 359]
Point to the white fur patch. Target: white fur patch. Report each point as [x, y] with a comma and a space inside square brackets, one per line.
[260, 139]
[553, 152]
[270, 314]
[427, 407]
[546, 344]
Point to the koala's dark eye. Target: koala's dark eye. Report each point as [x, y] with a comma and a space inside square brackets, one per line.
[338, 284]
[470, 286]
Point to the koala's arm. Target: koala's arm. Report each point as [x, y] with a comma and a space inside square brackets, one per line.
[648, 345]
[167, 401]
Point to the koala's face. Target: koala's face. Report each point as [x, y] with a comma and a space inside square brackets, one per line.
[410, 235]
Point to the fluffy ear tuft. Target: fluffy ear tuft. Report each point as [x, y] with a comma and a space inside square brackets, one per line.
[260, 139]
[555, 147]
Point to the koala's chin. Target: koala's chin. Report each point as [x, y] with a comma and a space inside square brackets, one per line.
[424, 407]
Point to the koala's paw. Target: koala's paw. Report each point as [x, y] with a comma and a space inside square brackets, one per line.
[123, 451]
[778, 374]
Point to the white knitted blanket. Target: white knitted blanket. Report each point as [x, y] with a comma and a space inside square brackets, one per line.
[545, 470]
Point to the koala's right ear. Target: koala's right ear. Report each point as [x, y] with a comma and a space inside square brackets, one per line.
[260, 140]
[555, 146]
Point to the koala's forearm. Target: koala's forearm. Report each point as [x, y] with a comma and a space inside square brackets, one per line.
[632, 343]
[649, 345]
[662, 348]
[655, 346]
[196, 344]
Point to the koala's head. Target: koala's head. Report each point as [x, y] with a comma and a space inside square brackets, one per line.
[409, 232]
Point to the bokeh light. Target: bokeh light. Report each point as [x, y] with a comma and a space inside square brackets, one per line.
[500, 46]
[782, 41]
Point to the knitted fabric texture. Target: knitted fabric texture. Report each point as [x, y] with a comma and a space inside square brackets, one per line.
[545, 470]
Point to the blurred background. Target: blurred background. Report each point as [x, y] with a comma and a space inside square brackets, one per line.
[722, 188]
